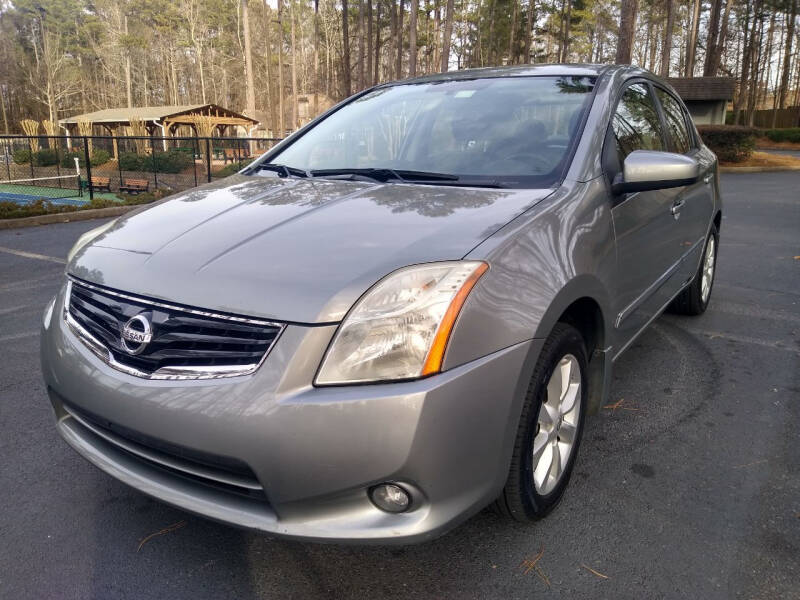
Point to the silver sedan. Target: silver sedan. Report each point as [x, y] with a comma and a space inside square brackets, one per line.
[401, 314]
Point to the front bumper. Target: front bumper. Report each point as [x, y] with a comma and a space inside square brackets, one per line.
[309, 454]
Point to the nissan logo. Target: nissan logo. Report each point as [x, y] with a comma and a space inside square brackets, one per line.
[136, 334]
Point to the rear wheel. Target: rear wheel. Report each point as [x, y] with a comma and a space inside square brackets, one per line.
[693, 300]
[550, 428]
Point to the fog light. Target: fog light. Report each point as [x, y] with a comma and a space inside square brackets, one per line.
[390, 497]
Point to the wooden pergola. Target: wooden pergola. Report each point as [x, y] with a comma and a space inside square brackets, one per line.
[160, 119]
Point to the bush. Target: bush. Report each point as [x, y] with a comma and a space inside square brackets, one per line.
[231, 168]
[790, 134]
[45, 158]
[172, 161]
[130, 161]
[731, 143]
[99, 157]
[21, 156]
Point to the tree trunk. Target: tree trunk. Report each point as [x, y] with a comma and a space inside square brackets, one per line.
[295, 122]
[281, 89]
[448, 32]
[744, 74]
[128, 85]
[787, 56]
[273, 113]
[316, 56]
[360, 39]
[377, 61]
[369, 43]
[248, 60]
[412, 38]
[529, 29]
[566, 27]
[627, 21]
[692, 45]
[713, 45]
[666, 51]
[346, 50]
[399, 65]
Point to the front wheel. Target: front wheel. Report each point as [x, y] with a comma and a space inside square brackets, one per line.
[549, 430]
[693, 300]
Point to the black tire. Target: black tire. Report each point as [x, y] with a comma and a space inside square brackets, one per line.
[519, 499]
[690, 300]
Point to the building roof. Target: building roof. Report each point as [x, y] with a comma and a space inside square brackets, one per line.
[150, 113]
[703, 88]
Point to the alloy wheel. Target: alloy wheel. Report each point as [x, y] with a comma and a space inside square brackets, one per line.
[557, 425]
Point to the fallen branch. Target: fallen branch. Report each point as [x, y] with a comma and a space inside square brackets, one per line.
[172, 527]
[591, 570]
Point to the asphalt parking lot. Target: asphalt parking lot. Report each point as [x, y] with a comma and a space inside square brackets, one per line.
[687, 485]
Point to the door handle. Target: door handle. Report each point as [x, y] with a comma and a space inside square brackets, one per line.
[676, 207]
[707, 179]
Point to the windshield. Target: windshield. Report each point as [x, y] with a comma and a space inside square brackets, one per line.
[517, 131]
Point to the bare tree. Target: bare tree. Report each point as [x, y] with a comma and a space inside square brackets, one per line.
[713, 45]
[627, 21]
[691, 47]
[248, 60]
[666, 50]
[448, 33]
[412, 38]
[346, 50]
[787, 56]
[529, 29]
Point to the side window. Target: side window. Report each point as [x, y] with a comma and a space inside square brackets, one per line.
[636, 123]
[676, 122]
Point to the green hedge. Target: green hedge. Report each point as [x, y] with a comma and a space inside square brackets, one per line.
[731, 143]
[790, 134]
[99, 157]
[232, 168]
[45, 157]
[172, 161]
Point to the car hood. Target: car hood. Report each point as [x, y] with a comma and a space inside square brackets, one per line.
[290, 249]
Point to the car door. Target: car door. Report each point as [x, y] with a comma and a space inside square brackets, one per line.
[694, 204]
[647, 237]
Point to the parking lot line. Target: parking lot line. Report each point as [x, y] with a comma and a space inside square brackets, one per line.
[60, 261]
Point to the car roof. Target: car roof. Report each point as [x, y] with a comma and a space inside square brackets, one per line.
[574, 70]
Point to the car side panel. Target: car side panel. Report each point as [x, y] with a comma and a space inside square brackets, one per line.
[541, 262]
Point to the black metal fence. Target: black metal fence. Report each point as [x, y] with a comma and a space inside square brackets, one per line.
[56, 167]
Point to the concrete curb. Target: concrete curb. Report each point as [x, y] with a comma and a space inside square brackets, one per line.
[756, 169]
[67, 217]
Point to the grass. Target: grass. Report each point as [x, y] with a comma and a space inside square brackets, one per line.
[766, 143]
[765, 159]
[12, 210]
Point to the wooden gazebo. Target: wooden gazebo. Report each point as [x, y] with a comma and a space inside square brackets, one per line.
[160, 120]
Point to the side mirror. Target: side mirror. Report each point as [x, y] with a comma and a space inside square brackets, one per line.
[653, 170]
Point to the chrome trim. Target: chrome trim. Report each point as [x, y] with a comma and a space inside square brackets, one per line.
[160, 304]
[100, 350]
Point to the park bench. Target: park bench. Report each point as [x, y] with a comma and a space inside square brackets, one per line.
[100, 184]
[134, 186]
[235, 154]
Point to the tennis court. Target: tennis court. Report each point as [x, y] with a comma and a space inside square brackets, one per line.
[60, 191]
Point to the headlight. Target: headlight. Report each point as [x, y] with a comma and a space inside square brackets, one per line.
[400, 327]
[88, 237]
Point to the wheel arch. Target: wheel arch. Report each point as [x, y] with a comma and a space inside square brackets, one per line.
[584, 304]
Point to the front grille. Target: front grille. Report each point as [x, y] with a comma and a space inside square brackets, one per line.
[183, 342]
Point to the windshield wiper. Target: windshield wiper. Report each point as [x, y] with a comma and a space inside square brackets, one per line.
[384, 174]
[283, 170]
